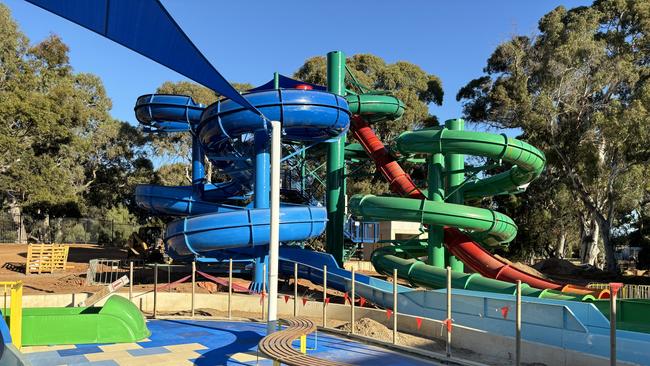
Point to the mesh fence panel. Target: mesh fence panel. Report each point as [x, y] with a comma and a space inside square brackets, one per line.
[26, 228]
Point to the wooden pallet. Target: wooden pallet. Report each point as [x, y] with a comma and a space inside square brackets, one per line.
[46, 258]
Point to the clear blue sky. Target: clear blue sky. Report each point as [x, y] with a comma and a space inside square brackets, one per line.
[248, 40]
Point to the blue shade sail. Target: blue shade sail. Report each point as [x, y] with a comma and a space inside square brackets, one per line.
[146, 27]
[287, 83]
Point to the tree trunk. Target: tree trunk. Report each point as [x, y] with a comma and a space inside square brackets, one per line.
[208, 170]
[610, 258]
[47, 234]
[561, 245]
[589, 246]
[16, 212]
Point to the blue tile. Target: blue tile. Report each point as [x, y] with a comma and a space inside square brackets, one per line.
[95, 363]
[148, 351]
[39, 355]
[80, 350]
[54, 361]
[195, 334]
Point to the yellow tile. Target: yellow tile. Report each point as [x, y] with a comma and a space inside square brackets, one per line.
[185, 347]
[32, 349]
[139, 361]
[246, 356]
[120, 347]
[176, 363]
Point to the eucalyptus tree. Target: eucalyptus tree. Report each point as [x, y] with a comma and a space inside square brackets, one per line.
[580, 90]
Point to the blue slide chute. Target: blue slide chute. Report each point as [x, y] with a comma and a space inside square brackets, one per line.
[224, 131]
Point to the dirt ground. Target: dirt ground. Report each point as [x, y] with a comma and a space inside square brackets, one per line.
[13, 257]
[12, 268]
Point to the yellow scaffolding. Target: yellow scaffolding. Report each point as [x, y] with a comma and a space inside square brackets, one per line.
[15, 317]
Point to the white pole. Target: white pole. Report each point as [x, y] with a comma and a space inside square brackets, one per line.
[130, 281]
[324, 296]
[394, 306]
[230, 289]
[295, 289]
[448, 310]
[352, 296]
[193, 286]
[274, 244]
[518, 327]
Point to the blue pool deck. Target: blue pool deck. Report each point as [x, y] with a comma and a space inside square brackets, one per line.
[192, 342]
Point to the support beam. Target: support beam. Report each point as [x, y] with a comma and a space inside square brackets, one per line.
[455, 164]
[198, 168]
[436, 191]
[274, 243]
[336, 165]
[261, 198]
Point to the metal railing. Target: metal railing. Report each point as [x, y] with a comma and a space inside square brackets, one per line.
[103, 271]
[627, 291]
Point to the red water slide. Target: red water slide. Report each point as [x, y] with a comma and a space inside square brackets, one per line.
[458, 243]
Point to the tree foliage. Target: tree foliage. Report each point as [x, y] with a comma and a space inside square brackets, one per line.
[60, 150]
[579, 90]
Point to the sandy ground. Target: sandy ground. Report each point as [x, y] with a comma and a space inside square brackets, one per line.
[12, 268]
[13, 257]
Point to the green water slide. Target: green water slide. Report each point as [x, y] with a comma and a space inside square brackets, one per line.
[482, 225]
[118, 321]
[418, 273]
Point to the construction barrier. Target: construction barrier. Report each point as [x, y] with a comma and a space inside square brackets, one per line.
[46, 258]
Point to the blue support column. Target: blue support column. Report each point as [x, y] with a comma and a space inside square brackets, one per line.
[198, 168]
[261, 199]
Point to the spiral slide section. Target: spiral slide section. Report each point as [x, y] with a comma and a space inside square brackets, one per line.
[227, 133]
[482, 226]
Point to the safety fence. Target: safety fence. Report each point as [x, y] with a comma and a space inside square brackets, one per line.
[359, 289]
[627, 291]
[24, 229]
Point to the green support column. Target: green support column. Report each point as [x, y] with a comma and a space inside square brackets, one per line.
[276, 80]
[455, 164]
[336, 165]
[436, 190]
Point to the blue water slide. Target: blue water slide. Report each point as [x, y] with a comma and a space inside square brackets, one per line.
[204, 235]
[306, 115]
[225, 133]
